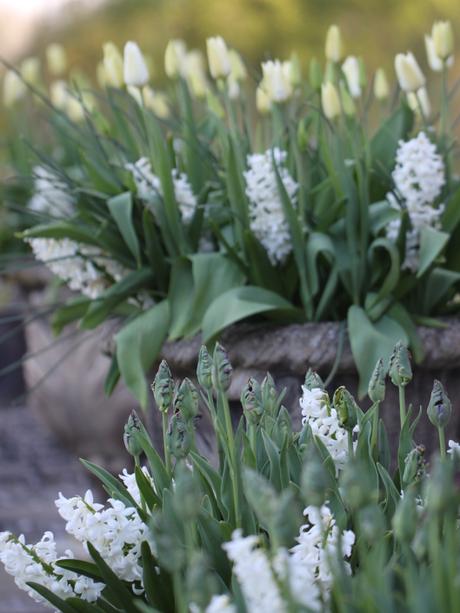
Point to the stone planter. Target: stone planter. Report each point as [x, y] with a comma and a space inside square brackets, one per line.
[288, 351]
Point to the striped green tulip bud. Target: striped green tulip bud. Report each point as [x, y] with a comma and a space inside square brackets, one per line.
[163, 387]
[346, 407]
[270, 399]
[251, 401]
[186, 400]
[439, 407]
[400, 370]
[376, 389]
[204, 369]
[313, 380]
[179, 439]
[221, 369]
[414, 466]
[133, 427]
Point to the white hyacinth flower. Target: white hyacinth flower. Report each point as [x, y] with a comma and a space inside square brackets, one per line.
[148, 187]
[419, 177]
[454, 448]
[220, 604]
[267, 219]
[51, 194]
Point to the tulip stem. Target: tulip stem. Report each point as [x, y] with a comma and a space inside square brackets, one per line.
[442, 442]
[232, 454]
[375, 426]
[350, 443]
[164, 423]
[402, 404]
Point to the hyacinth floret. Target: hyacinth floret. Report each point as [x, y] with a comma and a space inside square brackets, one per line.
[267, 219]
[51, 194]
[419, 176]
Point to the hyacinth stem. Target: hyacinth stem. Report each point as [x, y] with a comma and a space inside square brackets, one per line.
[442, 442]
[167, 457]
[179, 592]
[402, 404]
[350, 443]
[232, 454]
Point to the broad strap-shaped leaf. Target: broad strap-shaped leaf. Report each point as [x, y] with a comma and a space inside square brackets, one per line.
[240, 303]
[81, 567]
[432, 242]
[436, 287]
[385, 142]
[57, 602]
[138, 344]
[75, 309]
[112, 485]
[392, 277]
[121, 209]
[371, 341]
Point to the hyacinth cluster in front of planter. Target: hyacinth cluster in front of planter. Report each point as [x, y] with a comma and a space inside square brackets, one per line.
[285, 196]
[321, 519]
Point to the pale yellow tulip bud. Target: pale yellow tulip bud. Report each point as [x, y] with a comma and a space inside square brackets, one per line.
[295, 73]
[218, 57]
[334, 45]
[381, 87]
[113, 65]
[14, 88]
[443, 39]
[238, 69]
[59, 94]
[56, 59]
[409, 73]
[175, 55]
[434, 62]
[419, 102]
[195, 73]
[276, 80]
[74, 109]
[263, 102]
[30, 70]
[157, 102]
[330, 100]
[352, 71]
[135, 71]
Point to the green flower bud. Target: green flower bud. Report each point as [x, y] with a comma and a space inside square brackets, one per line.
[163, 387]
[187, 494]
[405, 518]
[400, 370]
[414, 466]
[313, 380]
[251, 401]
[179, 439]
[132, 428]
[315, 74]
[204, 369]
[376, 389]
[439, 407]
[271, 400]
[186, 400]
[221, 369]
[315, 481]
[346, 407]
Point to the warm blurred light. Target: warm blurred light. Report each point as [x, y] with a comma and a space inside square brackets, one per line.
[31, 7]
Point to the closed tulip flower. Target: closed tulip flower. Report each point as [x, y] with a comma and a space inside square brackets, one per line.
[218, 57]
[334, 45]
[195, 73]
[276, 80]
[330, 100]
[381, 88]
[30, 70]
[263, 102]
[135, 71]
[238, 69]
[351, 70]
[443, 39]
[419, 102]
[434, 62]
[409, 73]
[14, 88]
[113, 65]
[56, 59]
[175, 55]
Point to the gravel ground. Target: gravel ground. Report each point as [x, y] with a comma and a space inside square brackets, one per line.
[33, 469]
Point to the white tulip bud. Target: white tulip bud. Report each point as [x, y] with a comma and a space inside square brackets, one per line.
[434, 62]
[113, 65]
[443, 39]
[56, 59]
[218, 58]
[381, 87]
[330, 100]
[419, 102]
[175, 55]
[409, 73]
[334, 45]
[74, 109]
[263, 102]
[30, 70]
[294, 71]
[195, 73]
[276, 80]
[14, 88]
[238, 69]
[135, 71]
[352, 71]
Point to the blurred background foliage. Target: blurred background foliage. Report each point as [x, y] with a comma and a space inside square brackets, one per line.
[374, 29]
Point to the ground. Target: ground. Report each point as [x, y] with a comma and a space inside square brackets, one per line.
[34, 467]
